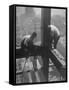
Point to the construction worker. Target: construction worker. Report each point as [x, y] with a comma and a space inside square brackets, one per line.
[54, 35]
[28, 41]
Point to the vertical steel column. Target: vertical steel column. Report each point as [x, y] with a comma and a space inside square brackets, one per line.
[46, 14]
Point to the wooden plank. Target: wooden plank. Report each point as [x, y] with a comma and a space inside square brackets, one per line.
[60, 58]
[59, 65]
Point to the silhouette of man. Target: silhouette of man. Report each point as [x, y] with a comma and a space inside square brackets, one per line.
[54, 35]
[28, 41]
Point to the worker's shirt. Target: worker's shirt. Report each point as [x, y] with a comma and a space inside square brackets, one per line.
[54, 30]
[26, 40]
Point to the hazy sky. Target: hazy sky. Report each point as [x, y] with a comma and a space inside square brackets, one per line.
[61, 12]
[21, 10]
[38, 11]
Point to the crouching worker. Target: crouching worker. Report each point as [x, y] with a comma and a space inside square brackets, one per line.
[28, 41]
[54, 36]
